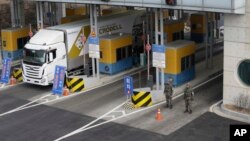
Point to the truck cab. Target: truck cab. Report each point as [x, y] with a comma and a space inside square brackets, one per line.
[42, 53]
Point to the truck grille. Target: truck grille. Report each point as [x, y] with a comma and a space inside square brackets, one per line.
[32, 71]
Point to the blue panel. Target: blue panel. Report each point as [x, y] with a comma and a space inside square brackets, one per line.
[198, 38]
[14, 55]
[158, 48]
[94, 40]
[128, 85]
[116, 67]
[181, 78]
[58, 80]
[5, 76]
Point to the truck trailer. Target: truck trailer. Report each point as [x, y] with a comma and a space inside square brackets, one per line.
[62, 45]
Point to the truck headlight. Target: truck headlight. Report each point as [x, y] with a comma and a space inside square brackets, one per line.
[43, 80]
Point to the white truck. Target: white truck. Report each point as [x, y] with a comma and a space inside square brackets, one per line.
[61, 45]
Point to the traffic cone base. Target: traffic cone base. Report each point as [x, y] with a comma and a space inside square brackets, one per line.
[12, 81]
[159, 116]
[65, 91]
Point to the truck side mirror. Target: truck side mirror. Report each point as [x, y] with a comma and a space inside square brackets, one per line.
[51, 57]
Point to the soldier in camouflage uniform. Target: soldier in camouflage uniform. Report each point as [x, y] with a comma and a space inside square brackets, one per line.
[169, 94]
[188, 97]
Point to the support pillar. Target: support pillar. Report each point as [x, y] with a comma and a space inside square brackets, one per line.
[17, 13]
[94, 27]
[157, 34]
[39, 14]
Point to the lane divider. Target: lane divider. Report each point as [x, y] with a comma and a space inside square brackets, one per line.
[141, 99]
[75, 84]
[17, 74]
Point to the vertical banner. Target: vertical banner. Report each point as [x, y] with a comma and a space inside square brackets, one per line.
[128, 86]
[159, 58]
[58, 80]
[5, 77]
[94, 47]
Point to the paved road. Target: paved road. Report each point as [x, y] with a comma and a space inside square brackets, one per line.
[45, 123]
[99, 102]
[26, 91]
[208, 127]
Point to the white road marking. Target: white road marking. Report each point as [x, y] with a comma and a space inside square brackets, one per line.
[4, 86]
[25, 106]
[32, 103]
[88, 126]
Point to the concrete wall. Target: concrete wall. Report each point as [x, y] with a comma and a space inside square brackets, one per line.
[29, 12]
[237, 49]
[5, 20]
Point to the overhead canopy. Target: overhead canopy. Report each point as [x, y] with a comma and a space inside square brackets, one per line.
[222, 6]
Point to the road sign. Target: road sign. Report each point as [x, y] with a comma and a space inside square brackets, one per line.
[159, 59]
[6, 71]
[128, 85]
[94, 47]
[58, 80]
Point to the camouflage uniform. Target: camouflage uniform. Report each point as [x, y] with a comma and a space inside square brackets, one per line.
[188, 97]
[169, 94]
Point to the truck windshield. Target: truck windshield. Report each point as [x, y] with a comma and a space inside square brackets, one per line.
[34, 56]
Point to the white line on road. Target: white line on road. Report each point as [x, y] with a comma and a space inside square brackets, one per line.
[4, 86]
[88, 126]
[31, 104]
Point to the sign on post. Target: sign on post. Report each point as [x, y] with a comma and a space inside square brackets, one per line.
[94, 47]
[159, 59]
[128, 85]
[5, 77]
[58, 80]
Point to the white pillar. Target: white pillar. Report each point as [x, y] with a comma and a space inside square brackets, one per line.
[162, 43]
[63, 10]
[156, 42]
[13, 14]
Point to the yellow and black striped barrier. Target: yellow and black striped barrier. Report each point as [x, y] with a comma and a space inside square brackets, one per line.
[17, 74]
[141, 99]
[75, 84]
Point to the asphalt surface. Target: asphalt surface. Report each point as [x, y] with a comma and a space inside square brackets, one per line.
[45, 123]
[208, 127]
[26, 91]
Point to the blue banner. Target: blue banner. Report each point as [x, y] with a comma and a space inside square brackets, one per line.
[5, 77]
[58, 80]
[94, 40]
[158, 48]
[128, 85]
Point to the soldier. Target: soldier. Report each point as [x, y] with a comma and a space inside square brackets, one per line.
[188, 97]
[169, 93]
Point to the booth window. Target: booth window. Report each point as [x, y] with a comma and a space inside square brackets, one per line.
[21, 42]
[187, 62]
[124, 52]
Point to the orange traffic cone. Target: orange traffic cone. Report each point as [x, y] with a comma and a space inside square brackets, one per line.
[65, 91]
[159, 116]
[12, 81]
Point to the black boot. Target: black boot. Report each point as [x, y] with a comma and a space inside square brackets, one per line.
[190, 112]
[171, 106]
[186, 111]
[167, 106]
